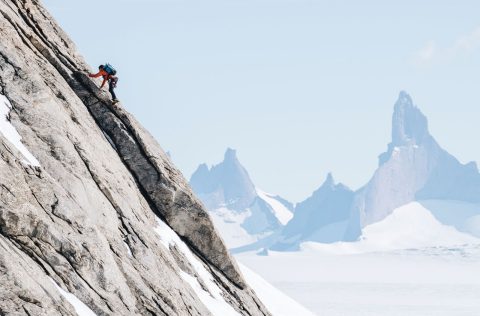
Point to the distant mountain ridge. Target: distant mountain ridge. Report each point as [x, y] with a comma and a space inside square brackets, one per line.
[413, 168]
[322, 217]
[225, 184]
[242, 212]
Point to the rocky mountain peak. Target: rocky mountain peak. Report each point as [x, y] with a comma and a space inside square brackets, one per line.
[227, 183]
[415, 167]
[329, 204]
[329, 181]
[230, 156]
[329, 185]
[409, 125]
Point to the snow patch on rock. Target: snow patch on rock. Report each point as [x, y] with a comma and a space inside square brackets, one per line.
[128, 249]
[11, 134]
[79, 306]
[212, 299]
[283, 214]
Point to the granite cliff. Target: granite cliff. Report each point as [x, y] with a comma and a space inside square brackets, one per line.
[90, 205]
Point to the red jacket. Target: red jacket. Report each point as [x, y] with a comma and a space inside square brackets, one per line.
[102, 73]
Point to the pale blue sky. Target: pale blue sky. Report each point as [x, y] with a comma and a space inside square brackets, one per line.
[298, 87]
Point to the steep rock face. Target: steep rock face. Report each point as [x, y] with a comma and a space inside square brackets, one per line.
[414, 167]
[322, 217]
[86, 217]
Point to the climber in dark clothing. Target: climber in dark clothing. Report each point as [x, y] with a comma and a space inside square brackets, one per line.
[108, 75]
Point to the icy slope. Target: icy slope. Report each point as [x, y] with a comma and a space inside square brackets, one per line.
[278, 303]
[409, 226]
[464, 216]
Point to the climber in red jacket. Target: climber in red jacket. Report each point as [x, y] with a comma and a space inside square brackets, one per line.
[108, 74]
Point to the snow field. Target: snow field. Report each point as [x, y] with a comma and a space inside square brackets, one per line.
[277, 303]
[373, 284]
[410, 263]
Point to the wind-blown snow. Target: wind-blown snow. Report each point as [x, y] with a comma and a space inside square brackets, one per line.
[11, 134]
[212, 299]
[409, 226]
[79, 306]
[276, 302]
[283, 214]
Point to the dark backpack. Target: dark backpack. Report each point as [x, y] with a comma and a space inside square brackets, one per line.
[109, 69]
